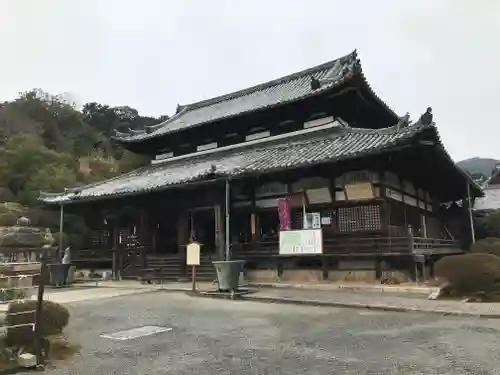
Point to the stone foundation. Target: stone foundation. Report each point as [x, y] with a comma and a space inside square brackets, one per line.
[402, 276]
[316, 276]
[352, 275]
[85, 275]
[267, 276]
[308, 276]
[302, 276]
[19, 268]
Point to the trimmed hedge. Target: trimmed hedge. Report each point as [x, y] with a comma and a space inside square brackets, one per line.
[470, 274]
[489, 245]
[55, 318]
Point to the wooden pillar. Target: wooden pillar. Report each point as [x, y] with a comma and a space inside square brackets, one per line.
[253, 225]
[117, 259]
[183, 238]
[384, 207]
[405, 211]
[324, 267]
[254, 216]
[219, 237]
[143, 240]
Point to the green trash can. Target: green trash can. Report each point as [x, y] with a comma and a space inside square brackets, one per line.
[58, 273]
[228, 274]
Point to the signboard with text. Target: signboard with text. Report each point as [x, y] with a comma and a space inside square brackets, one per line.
[193, 254]
[301, 242]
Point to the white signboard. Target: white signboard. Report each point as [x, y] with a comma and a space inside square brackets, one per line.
[301, 242]
[312, 220]
[193, 254]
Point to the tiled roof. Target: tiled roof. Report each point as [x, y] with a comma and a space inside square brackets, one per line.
[491, 199]
[335, 145]
[286, 89]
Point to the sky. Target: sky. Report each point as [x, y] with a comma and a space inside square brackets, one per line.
[155, 54]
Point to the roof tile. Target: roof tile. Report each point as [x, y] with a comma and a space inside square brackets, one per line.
[279, 91]
[291, 153]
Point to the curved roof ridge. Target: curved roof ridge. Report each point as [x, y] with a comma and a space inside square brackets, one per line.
[287, 89]
[372, 92]
[352, 56]
[148, 129]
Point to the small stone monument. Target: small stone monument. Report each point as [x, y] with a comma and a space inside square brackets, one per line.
[22, 241]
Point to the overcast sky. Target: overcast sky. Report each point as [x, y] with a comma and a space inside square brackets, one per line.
[154, 54]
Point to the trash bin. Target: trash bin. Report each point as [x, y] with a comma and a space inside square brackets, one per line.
[228, 274]
[58, 274]
[70, 277]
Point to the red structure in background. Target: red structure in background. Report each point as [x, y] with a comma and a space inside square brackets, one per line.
[284, 214]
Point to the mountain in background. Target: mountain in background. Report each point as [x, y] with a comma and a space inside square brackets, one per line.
[479, 166]
[47, 144]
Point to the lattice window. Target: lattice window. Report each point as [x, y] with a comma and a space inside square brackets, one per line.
[359, 218]
[330, 214]
[100, 238]
[297, 219]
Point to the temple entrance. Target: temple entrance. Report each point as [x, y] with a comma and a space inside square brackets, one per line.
[202, 228]
[165, 234]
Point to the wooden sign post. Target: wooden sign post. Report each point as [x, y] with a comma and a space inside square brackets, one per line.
[193, 259]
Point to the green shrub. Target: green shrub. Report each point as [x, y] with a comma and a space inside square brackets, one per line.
[8, 219]
[55, 318]
[487, 225]
[489, 245]
[469, 274]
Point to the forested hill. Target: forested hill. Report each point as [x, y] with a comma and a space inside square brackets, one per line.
[479, 166]
[47, 144]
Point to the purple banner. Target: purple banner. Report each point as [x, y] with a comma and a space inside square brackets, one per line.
[284, 214]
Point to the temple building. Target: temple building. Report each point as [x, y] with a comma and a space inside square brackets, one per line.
[491, 200]
[310, 176]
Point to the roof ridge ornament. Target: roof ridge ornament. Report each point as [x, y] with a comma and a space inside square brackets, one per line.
[179, 108]
[426, 118]
[403, 122]
[315, 83]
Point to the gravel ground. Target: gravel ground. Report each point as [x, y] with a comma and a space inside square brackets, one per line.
[239, 337]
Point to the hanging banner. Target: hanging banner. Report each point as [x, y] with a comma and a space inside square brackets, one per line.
[284, 214]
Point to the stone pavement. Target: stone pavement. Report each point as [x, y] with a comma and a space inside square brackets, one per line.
[355, 286]
[215, 336]
[133, 284]
[84, 294]
[334, 297]
[376, 301]
[402, 300]
[69, 295]
[204, 286]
